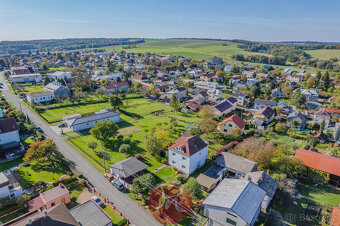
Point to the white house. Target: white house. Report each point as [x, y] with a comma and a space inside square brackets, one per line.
[88, 122]
[9, 131]
[9, 186]
[188, 153]
[112, 76]
[214, 94]
[60, 75]
[39, 97]
[234, 202]
[25, 78]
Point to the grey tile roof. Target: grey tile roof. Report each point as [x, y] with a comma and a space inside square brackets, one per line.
[128, 167]
[266, 111]
[8, 125]
[99, 116]
[264, 181]
[3, 180]
[242, 196]
[236, 162]
[40, 94]
[89, 213]
[265, 102]
[299, 115]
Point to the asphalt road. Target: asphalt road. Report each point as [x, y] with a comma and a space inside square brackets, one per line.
[124, 204]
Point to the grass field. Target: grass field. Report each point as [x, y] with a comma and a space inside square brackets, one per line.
[140, 121]
[324, 54]
[320, 195]
[166, 174]
[39, 172]
[6, 165]
[114, 216]
[198, 49]
[33, 88]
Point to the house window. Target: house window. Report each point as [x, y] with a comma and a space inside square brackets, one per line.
[230, 125]
[52, 204]
[231, 221]
[173, 153]
[184, 158]
[173, 162]
[232, 214]
[225, 130]
[183, 166]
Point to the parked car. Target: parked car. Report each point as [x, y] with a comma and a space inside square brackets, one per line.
[62, 125]
[98, 201]
[109, 176]
[118, 184]
[25, 164]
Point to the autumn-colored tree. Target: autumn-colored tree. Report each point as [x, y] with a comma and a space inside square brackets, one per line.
[257, 150]
[287, 91]
[280, 127]
[236, 134]
[103, 131]
[207, 123]
[40, 149]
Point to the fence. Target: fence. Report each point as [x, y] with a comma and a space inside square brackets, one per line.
[106, 201]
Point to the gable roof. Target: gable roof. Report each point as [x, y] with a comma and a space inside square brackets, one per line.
[331, 110]
[40, 94]
[322, 112]
[265, 102]
[242, 196]
[89, 213]
[8, 125]
[115, 85]
[335, 219]
[299, 115]
[322, 162]
[264, 181]
[236, 119]
[223, 106]
[107, 113]
[238, 163]
[128, 167]
[266, 111]
[189, 145]
[232, 100]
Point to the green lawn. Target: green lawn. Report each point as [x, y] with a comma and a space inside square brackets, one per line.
[320, 195]
[281, 139]
[32, 88]
[114, 216]
[56, 68]
[39, 172]
[166, 174]
[139, 120]
[75, 190]
[6, 165]
[325, 54]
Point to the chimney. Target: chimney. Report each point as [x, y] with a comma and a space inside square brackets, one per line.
[249, 178]
[45, 213]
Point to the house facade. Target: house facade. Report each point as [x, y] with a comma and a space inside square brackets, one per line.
[310, 94]
[230, 124]
[188, 153]
[298, 117]
[9, 186]
[58, 90]
[25, 78]
[40, 97]
[322, 116]
[87, 122]
[115, 87]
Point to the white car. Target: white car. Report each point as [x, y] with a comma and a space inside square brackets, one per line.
[98, 201]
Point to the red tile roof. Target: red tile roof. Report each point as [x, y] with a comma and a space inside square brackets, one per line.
[322, 162]
[335, 220]
[331, 110]
[236, 119]
[189, 145]
[115, 84]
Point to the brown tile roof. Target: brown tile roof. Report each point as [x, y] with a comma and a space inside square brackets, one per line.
[189, 145]
[8, 125]
[335, 220]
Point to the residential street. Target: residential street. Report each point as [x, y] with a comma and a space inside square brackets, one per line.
[127, 206]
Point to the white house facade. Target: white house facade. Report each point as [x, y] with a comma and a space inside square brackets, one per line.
[40, 97]
[188, 154]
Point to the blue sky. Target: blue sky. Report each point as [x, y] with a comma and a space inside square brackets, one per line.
[263, 20]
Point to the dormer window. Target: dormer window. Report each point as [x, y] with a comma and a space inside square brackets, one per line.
[179, 149]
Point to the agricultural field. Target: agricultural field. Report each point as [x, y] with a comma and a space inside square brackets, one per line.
[198, 49]
[324, 54]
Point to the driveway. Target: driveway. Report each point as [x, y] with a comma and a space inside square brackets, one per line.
[124, 204]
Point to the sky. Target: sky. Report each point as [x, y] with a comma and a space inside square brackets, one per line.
[262, 20]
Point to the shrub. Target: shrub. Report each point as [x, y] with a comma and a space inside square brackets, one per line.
[66, 179]
[138, 156]
[55, 183]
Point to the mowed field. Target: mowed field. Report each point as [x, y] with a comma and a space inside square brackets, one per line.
[191, 48]
[325, 54]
